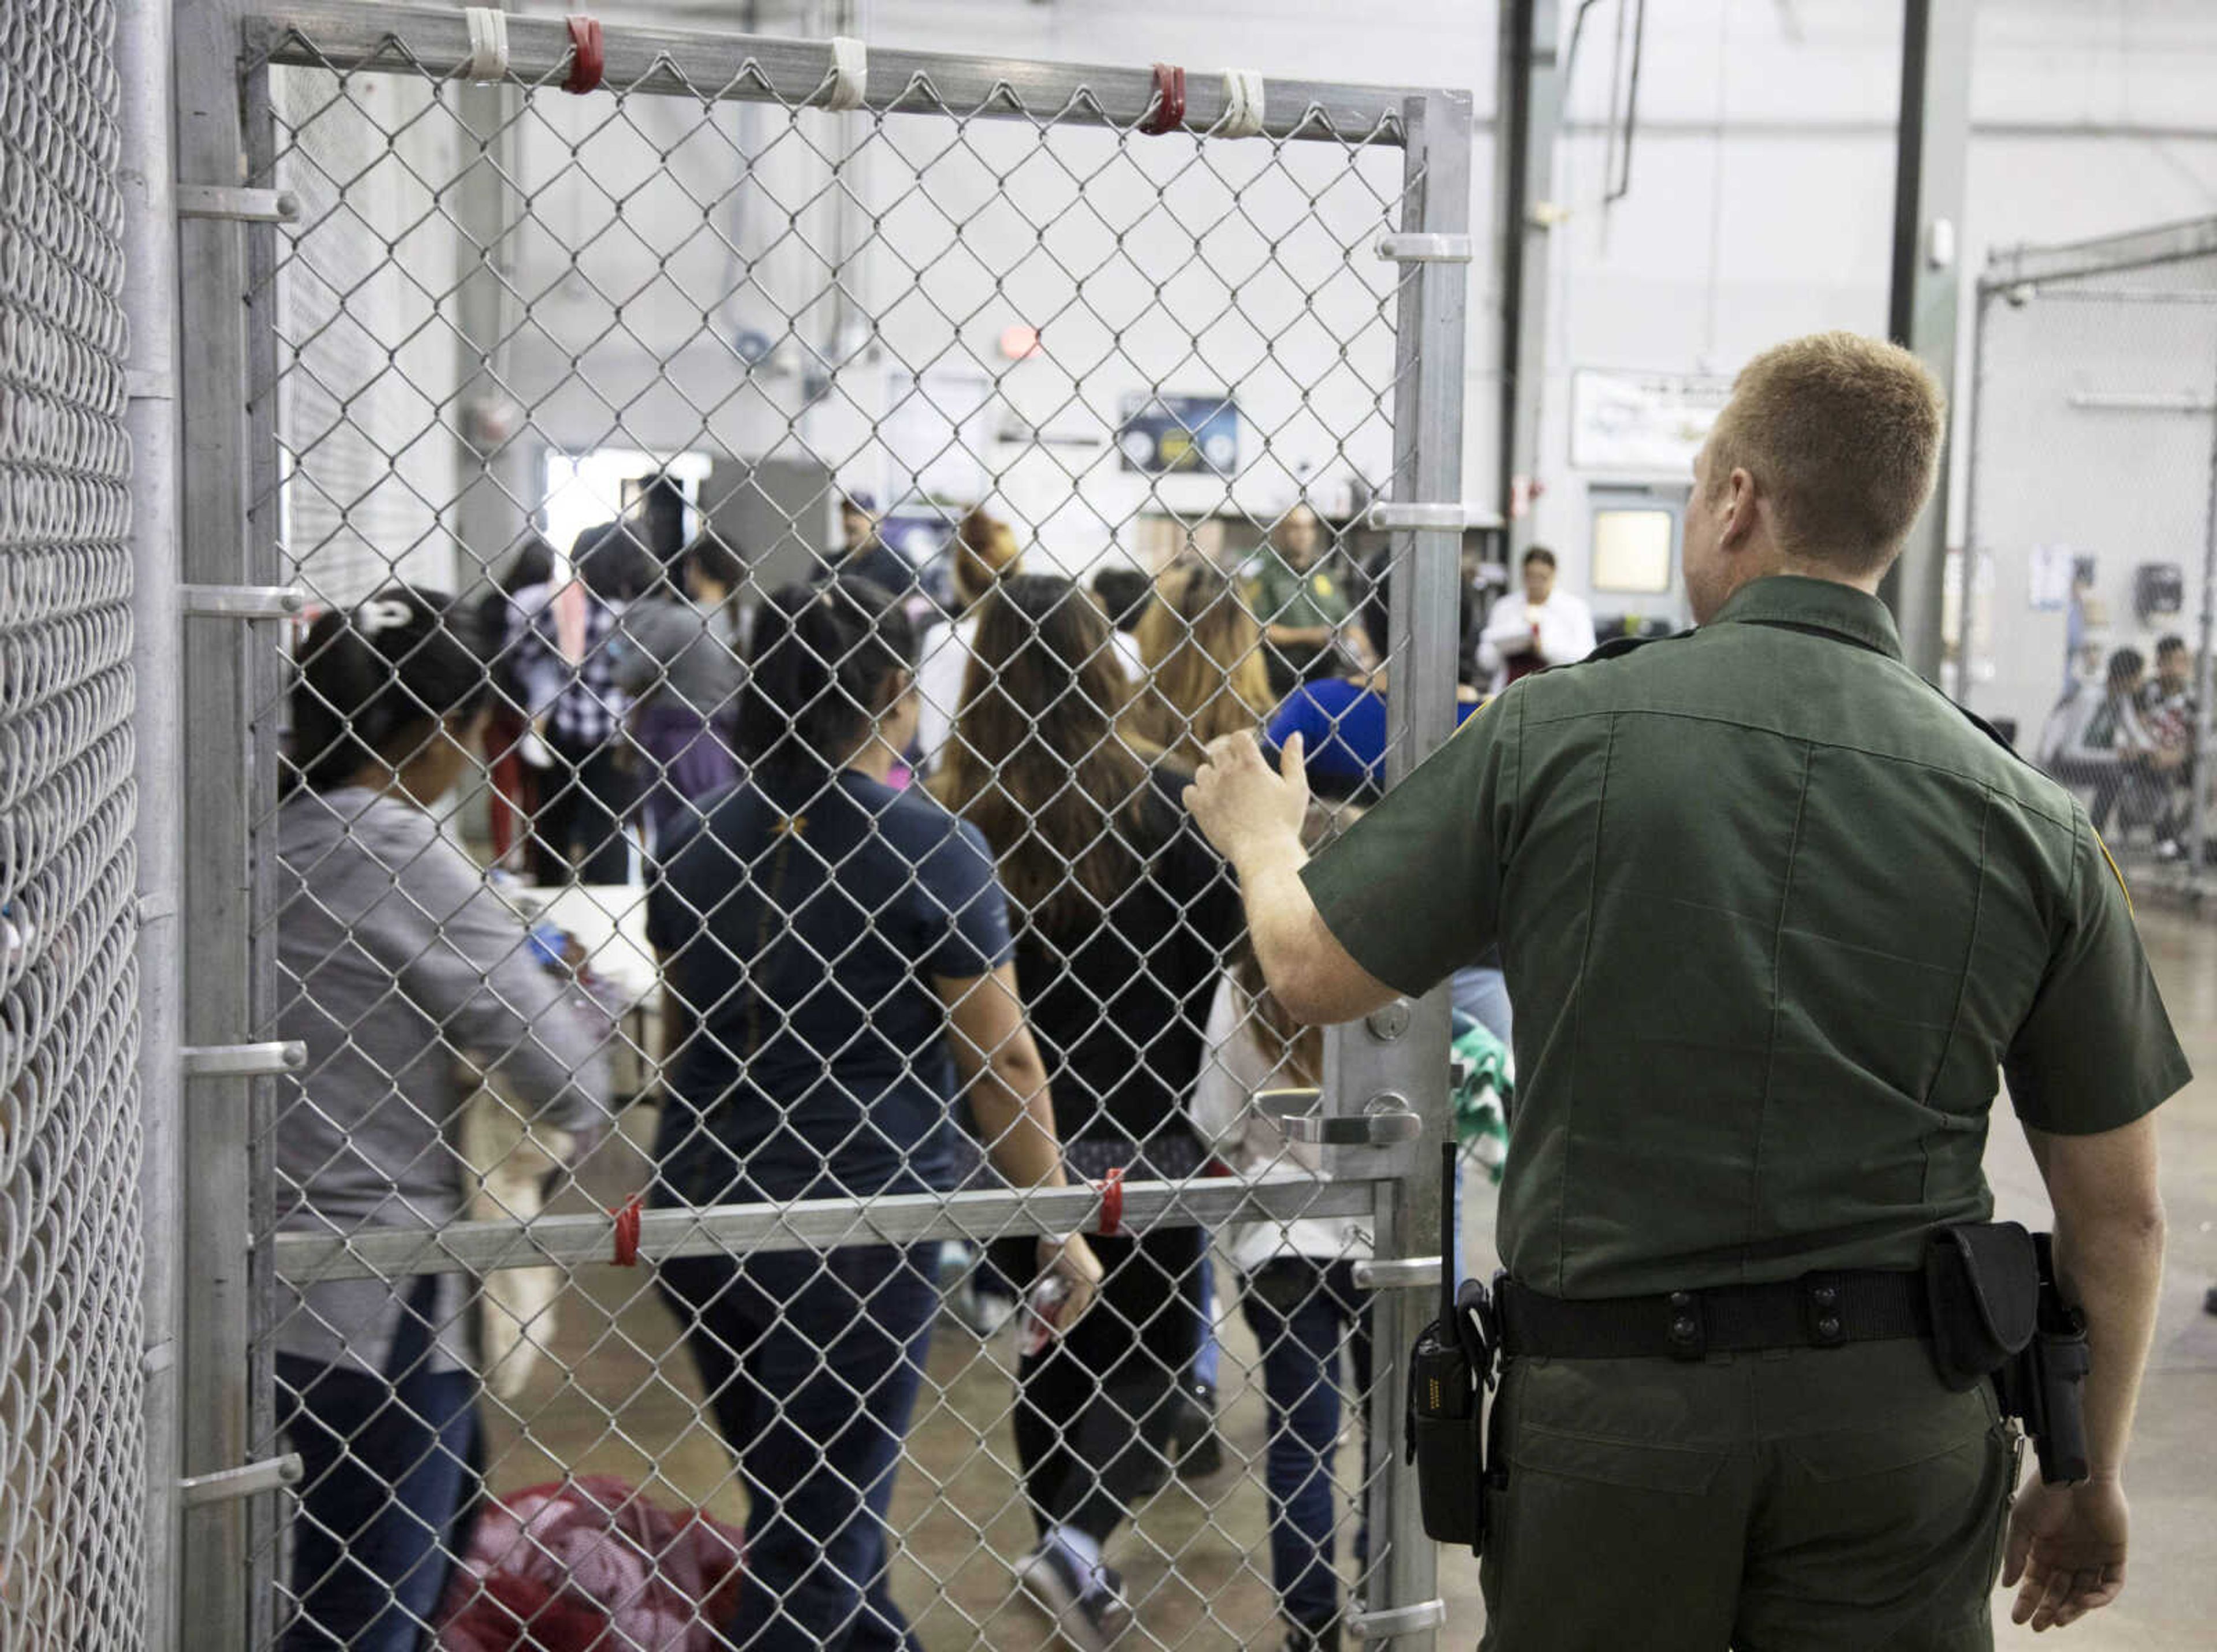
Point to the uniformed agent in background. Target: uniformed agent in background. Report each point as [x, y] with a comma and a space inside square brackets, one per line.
[1773, 914]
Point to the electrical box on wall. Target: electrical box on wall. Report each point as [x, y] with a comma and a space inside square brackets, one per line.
[2158, 589]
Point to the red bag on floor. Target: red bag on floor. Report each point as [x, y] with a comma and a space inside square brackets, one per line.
[586, 1565]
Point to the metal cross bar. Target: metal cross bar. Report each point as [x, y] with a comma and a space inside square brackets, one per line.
[807, 1224]
[765, 68]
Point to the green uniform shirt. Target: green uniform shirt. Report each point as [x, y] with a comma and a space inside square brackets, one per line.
[1773, 913]
[1285, 596]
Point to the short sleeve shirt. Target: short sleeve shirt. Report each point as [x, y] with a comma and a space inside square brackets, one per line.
[805, 945]
[1284, 595]
[1769, 948]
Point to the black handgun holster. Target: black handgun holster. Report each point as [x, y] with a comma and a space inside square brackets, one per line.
[2000, 1314]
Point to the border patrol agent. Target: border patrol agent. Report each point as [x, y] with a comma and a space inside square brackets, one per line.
[1773, 913]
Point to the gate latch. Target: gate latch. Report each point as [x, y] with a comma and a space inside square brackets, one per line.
[1397, 1620]
[269, 1475]
[1385, 1119]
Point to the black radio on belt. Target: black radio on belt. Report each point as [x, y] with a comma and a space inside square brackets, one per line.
[1450, 1369]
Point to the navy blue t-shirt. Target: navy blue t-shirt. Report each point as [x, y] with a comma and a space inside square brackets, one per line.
[807, 945]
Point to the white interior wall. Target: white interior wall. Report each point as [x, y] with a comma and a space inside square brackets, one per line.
[1760, 204]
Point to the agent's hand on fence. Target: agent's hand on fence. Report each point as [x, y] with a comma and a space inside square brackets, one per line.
[2067, 1542]
[1073, 1260]
[1241, 805]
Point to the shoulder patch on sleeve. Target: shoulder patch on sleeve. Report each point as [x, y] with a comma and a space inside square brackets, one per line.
[2123, 886]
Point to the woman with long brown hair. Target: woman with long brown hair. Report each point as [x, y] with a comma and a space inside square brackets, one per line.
[1206, 673]
[1123, 917]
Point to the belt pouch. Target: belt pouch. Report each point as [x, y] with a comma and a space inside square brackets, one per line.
[1982, 1283]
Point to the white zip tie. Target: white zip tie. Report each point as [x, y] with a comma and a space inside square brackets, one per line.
[850, 73]
[1243, 104]
[488, 42]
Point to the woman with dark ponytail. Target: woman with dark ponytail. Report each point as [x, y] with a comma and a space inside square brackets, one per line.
[394, 959]
[837, 965]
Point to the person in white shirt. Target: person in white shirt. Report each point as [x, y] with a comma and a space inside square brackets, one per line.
[984, 549]
[1297, 1292]
[1536, 628]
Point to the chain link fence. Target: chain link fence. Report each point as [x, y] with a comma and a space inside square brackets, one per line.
[2085, 599]
[777, 524]
[72, 1442]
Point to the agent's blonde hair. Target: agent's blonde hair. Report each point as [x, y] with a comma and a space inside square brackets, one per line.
[1841, 434]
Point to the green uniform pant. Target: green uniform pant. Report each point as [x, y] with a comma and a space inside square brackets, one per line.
[1794, 1501]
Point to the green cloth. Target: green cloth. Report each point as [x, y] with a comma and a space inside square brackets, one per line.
[1479, 1068]
[1772, 913]
[1282, 594]
[1815, 1499]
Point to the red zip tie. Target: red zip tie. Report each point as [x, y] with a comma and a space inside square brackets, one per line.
[628, 1233]
[1112, 1202]
[1169, 101]
[592, 58]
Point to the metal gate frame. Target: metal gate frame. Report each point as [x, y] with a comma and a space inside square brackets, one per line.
[233, 563]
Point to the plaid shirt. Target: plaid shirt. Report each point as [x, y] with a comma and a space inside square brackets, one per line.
[587, 706]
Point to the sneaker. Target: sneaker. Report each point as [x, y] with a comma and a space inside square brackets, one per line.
[1092, 1618]
[1301, 1639]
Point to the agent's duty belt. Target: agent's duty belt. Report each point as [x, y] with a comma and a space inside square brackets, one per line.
[1818, 1310]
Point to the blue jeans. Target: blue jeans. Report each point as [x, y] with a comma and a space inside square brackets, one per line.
[812, 1364]
[384, 1459]
[1302, 1312]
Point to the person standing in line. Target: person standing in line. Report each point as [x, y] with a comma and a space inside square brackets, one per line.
[984, 550]
[675, 663]
[1203, 651]
[1531, 629]
[864, 554]
[393, 959]
[1775, 912]
[1124, 593]
[559, 651]
[1124, 919]
[838, 969]
[514, 758]
[1297, 1293]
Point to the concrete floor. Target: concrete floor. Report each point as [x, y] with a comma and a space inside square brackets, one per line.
[1195, 1560]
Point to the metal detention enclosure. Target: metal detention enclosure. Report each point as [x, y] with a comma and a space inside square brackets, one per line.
[2096, 370]
[73, 1442]
[464, 253]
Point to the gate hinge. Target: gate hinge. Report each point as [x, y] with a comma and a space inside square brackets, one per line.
[240, 206]
[242, 602]
[1415, 248]
[1397, 1273]
[1397, 1620]
[243, 1061]
[269, 1475]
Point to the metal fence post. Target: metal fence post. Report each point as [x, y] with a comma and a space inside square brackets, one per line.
[1428, 411]
[148, 172]
[2205, 638]
[213, 925]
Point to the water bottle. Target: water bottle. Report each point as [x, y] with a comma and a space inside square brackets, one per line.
[1042, 1315]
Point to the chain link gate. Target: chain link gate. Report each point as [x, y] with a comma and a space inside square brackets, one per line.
[2089, 608]
[497, 245]
[72, 1436]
